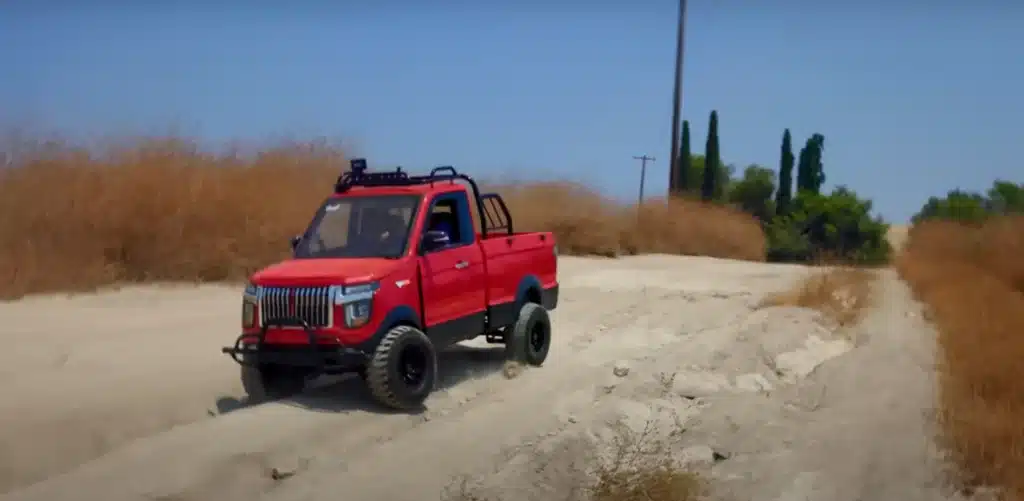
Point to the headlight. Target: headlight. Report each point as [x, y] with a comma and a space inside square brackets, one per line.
[249, 299]
[251, 291]
[248, 314]
[357, 303]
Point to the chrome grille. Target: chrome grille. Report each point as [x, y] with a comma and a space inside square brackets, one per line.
[312, 304]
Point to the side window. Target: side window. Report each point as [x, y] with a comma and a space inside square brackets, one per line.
[448, 213]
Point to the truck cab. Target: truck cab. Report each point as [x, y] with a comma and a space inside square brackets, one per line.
[392, 269]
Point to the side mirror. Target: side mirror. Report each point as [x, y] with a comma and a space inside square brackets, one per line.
[295, 241]
[433, 240]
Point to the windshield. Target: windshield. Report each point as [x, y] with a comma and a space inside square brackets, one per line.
[360, 226]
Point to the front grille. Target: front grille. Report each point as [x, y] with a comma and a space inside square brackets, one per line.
[314, 305]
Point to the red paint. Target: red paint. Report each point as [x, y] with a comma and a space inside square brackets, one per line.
[494, 268]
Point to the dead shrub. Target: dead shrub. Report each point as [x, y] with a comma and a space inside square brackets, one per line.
[841, 294]
[637, 466]
[972, 281]
[642, 468]
[74, 219]
[589, 224]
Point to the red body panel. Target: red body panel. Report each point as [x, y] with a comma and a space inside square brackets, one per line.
[510, 258]
[454, 283]
[318, 272]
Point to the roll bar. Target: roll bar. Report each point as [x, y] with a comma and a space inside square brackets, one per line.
[357, 175]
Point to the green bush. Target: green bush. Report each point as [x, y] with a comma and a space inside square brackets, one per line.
[786, 241]
[1004, 197]
[957, 205]
[753, 193]
[837, 226]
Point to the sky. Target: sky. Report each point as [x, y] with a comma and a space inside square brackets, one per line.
[914, 97]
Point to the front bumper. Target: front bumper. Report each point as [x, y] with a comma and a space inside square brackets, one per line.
[323, 353]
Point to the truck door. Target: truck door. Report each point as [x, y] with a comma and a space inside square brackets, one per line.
[454, 281]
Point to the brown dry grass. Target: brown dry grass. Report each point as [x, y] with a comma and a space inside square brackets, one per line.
[587, 223]
[638, 465]
[164, 210]
[841, 294]
[972, 281]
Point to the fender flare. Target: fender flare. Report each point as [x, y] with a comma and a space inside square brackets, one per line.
[529, 291]
[399, 315]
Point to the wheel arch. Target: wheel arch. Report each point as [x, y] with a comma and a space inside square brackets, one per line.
[396, 316]
[529, 291]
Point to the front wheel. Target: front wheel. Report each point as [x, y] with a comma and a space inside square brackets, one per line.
[403, 369]
[271, 382]
[529, 340]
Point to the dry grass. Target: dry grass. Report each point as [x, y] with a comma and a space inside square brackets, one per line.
[841, 294]
[587, 223]
[638, 465]
[972, 280]
[164, 210]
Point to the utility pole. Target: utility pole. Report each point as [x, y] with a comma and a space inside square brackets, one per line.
[677, 100]
[643, 175]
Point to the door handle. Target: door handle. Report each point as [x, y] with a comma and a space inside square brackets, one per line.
[461, 264]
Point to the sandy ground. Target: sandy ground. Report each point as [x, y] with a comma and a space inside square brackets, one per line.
[125, 396]
[897, 235]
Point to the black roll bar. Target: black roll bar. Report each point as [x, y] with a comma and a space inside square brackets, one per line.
[358, 176]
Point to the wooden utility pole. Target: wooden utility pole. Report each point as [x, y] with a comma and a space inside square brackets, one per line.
[677, 101]
[643, 175]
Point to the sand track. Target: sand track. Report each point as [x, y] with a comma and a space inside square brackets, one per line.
[125, 396]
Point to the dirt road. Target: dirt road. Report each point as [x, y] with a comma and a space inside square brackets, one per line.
[125, 396]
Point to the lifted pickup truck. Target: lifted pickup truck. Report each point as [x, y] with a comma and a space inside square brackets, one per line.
[392, 269]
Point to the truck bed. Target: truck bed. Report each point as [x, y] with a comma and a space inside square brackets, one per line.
[514, 259]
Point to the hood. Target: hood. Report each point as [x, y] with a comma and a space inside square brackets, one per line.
[320, 272]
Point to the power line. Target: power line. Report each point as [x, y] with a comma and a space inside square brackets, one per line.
[643, 174]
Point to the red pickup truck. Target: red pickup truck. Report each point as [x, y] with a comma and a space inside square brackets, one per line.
[392, 269]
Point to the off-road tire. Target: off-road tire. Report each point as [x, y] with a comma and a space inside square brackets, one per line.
[521, 340]
[271, 382]
[385, 374]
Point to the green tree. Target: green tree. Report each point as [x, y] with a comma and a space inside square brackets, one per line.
[810, 174]
[753, 192]
[837, 225]
[1005, 197]
[712, 160]
[723, 175]
[685, 160]
[957, 205]
[785, 193]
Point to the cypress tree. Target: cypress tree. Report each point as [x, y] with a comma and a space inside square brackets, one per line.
[802, 167]
[785, 193]
[685, 159]
[810, 173]
[816, 173]
[712, 160]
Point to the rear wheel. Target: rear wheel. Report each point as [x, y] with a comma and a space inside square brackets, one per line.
[271, 382]
[529, 339]
[403, 369]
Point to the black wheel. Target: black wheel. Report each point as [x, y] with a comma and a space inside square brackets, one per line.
[529, 340]
[403, 369]
[270, 382]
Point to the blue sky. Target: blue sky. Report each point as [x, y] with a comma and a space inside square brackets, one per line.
[914, 98]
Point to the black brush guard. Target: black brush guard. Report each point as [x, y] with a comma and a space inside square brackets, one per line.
[252, 350]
